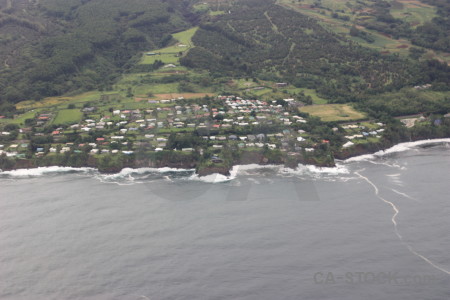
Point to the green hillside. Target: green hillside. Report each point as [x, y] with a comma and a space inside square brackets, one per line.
[271, 42]
[336, 51]
[79, 45]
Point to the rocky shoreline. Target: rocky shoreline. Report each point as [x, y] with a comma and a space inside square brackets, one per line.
[290, 161]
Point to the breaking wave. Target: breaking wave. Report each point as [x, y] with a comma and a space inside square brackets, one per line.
[212, 178]
[402, 147]
[302, 171]
[24, 173]
[140, 175]
[129, 175]
[314, 170]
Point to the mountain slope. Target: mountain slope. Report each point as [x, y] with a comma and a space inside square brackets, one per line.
[69, 45]
[268, 41]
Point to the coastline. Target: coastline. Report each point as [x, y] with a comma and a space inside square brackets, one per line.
[20, 169]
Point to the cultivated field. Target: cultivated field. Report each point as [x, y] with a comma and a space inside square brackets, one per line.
[59, 101]
[333, 112]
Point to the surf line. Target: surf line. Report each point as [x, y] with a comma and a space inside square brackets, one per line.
[397, 233]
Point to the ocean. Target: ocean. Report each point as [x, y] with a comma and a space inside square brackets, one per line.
[374, 227]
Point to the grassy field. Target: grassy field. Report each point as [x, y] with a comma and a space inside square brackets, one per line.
[68, 116]
[169, 55]
[216, 12]
[60, 101]
[333, 112]
[414, 12]
[184, 95]
[20, 120]
[160, 88]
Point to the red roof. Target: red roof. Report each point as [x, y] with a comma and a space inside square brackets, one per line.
[55, 132]
[100, 139]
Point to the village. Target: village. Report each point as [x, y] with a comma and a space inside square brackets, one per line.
[207, 126]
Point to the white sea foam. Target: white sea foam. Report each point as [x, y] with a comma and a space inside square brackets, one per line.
[317, 172]
[246, 169]
[127, 172]
[396, 230]
[212, 178]
[237, 170]
[129, 176]
[402, 147]
[20, 173]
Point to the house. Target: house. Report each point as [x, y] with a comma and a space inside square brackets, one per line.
[89, 109]
[260, 136]
[217, 160]
[169, 66]
[348, 144]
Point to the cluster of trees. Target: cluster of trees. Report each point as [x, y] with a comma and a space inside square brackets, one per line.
[405, 102]
[435, 34]
[270, 42]
[361, 34]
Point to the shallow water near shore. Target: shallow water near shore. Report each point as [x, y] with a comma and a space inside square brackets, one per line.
[375, 227]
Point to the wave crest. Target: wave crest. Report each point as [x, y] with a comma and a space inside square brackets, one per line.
[40, 171]
[402, 147]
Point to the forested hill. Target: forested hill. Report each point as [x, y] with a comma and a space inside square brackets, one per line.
[52, 47]
[268, 41]
[49, 47]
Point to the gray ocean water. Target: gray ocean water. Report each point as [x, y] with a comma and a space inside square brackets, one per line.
[374, 228]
